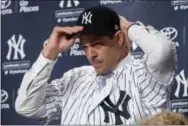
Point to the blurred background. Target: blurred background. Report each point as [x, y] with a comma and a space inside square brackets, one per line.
[27, 24]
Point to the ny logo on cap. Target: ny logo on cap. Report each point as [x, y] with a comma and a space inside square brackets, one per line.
[86, 18]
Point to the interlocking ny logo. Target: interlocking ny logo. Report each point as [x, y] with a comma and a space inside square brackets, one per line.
[110, 107]
[17, 46]
[181, 80]
[68, 3]
[86, 18]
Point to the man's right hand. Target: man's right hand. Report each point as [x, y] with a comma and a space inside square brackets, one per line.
[58, 42]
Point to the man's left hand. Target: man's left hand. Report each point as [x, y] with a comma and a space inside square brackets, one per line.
[125, 24]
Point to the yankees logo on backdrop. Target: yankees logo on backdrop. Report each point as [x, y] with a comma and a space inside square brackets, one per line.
[86, 18]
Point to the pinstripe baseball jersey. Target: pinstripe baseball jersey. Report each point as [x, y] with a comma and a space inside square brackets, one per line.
[132, 91]
[82, 97]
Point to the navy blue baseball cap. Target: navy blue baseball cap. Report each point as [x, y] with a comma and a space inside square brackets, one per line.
[100, 21]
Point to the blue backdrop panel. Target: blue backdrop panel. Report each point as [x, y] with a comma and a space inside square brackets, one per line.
[27, 24]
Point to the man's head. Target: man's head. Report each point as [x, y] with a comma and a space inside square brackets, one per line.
[166, 118]
[103, 41]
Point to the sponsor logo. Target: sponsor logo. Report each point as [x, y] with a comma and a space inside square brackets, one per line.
[5, 7]
[179, 4]
[4, 98]
[172, 34]
[69, 11]
[180, 105]
[181, 110]
[5, 4]
[15, 56]
[25, 7]
[105, 2]
[75, 50]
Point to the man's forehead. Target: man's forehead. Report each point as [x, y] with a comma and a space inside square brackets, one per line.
[90, 38]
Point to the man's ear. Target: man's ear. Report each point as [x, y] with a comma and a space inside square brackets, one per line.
[120, 36]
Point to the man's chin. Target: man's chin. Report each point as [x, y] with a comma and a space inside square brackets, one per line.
[100, 71]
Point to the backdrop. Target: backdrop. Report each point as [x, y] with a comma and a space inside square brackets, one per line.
[26, 25]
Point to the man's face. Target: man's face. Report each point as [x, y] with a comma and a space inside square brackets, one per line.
[102, 52]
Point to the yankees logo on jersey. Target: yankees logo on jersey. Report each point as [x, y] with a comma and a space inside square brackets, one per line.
[110, 107]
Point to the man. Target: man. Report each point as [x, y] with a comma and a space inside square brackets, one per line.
[115, 89]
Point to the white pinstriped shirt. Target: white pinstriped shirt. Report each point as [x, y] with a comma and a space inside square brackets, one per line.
[136, 88]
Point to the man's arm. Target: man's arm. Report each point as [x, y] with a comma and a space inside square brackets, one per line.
[36, 98]
[32, 91]
[154, 73]
[160, 52]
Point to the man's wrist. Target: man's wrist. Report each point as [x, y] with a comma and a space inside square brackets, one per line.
[49, 54]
